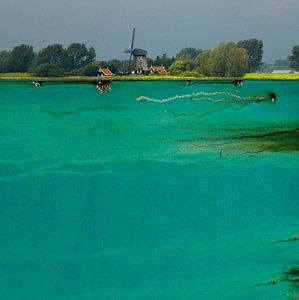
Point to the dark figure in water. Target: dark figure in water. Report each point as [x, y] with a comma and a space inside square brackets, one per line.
[238, 82]
[189, 82]
[271, 96]
[293, 238]
[271, 282]
[104, 86]
[37, 83]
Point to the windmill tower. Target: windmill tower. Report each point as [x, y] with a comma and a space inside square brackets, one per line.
[139, 63]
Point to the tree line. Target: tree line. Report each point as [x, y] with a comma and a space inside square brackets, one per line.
[227, 59]
[55, 57]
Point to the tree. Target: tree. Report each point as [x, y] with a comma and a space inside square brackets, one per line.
[4, 61]
[21, 58]
[281, 64]
[294, 58]
[150, 61]
[48, 70]
[202, 62]
[225, 60]
[78, 56]
[114, 66]
[124, 66]
[89, 70]
[217, 62]
[53, 54]
[254, 50]
[182, 65]
[91, 56]
[166, 61]
[163, 60]
[237, 62]
[188, 52]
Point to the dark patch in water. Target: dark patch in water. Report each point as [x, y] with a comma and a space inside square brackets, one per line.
[210, 112]
[291, 275]
[292, 272]
[64, 113]
[238, 82]
[291, 239]
[275, 134]
[275, 141]
[233, 106]
[271, 282]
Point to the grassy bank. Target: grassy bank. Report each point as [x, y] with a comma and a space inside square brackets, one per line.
[251, 76]
[270, 76]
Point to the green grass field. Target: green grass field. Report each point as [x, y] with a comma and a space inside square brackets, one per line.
[270, 76]
[250, 76]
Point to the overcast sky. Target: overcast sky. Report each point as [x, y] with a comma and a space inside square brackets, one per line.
[162, 26]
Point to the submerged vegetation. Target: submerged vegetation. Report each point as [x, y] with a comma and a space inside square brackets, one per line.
[292, 273]
[272, 141]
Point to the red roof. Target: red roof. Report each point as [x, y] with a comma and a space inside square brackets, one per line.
[158, 69]
[105, 72]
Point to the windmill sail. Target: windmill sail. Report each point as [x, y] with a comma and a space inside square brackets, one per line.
[131, 51]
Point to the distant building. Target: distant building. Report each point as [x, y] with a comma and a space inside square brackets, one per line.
[139, 63]
[105, 72]
[284, 72]
[157, 69]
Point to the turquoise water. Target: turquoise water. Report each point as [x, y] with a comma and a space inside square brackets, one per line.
[156, 190]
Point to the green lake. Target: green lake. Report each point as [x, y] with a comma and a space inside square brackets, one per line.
[155, 190]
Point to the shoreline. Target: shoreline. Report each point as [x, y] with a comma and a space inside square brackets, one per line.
[25, 77]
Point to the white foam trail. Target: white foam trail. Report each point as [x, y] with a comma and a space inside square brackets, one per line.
[189, 96]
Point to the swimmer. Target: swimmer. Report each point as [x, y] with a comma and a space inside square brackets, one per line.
[238, 83]
[37, 83]
[271, 96]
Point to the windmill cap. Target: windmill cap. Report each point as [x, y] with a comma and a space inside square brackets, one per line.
[139, 52]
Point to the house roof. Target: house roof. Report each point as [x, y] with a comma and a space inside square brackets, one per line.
[106, 72]
[158, 69]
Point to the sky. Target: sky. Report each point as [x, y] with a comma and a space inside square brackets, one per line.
[162, 26]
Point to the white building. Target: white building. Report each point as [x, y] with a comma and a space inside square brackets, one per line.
[284, 72]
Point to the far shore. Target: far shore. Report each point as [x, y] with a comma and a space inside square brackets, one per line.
[25, 77]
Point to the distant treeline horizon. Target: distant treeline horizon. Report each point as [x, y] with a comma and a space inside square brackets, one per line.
[227, 59]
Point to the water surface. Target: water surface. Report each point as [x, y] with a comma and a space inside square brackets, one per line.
[157, 190]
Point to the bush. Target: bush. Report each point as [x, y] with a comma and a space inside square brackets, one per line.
[175, 72]
[48, 70]
[89, 70]
[191, 74]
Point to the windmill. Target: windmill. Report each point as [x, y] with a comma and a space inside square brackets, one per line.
[139, 64]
